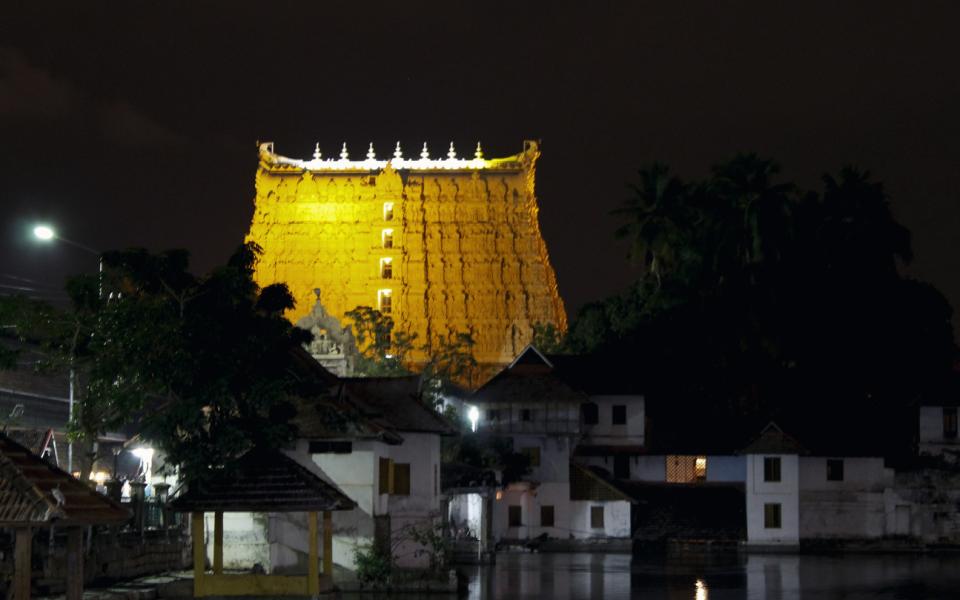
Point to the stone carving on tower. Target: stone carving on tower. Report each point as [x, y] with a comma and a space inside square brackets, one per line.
[333, 345]
[443, 245]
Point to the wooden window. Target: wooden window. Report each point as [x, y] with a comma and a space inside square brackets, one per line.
[383, 480]
[532, 453]
[526, 414]
[621, 466]
[388, 211]
[325, 447]
[589, 413]
[949, 421]
[686, 469]
[514, 513]
[385, 301]
[546, 516]
[771, 468]
[772, 516]
[834, 469]
[387, 237]
[619, 414]
[401, 479]
[386, 268]
[596, 517]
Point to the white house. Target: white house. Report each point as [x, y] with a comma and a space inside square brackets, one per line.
[773, 489]
[938, 431]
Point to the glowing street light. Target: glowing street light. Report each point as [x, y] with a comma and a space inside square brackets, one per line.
[44, 233]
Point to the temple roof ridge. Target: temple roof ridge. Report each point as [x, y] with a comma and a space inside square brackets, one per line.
[272, 160]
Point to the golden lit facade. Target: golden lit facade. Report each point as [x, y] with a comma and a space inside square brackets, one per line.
[442, 245]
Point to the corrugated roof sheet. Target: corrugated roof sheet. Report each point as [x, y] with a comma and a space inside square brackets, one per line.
[29, 487]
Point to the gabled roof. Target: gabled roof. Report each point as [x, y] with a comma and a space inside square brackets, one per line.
[263, 480]
[773, 440]
[395, 403]
[29, 490]
[589, 484]
[531, 377]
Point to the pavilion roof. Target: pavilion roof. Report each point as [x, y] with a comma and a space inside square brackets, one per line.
[29, 490]
[263, 480]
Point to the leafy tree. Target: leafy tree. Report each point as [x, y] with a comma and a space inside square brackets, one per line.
[383, 351]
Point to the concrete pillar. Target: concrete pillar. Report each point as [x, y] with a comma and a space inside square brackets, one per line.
[313, 566]
[199, 553]
[218, 543]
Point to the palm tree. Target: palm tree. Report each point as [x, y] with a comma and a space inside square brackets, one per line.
[657, 217]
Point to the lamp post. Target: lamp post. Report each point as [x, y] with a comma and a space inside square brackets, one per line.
[45, 233]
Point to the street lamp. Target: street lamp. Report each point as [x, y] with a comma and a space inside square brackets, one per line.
[46, 233]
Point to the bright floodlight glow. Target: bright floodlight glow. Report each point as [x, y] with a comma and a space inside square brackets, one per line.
[474, 415]
[701, 592]
[43, 232]
[144, 454]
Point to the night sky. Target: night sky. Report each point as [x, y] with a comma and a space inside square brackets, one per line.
[127, 125]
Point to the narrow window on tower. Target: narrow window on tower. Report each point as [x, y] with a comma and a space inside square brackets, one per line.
[387, 237]
[388, 211]
[386, 268]
[385, 301]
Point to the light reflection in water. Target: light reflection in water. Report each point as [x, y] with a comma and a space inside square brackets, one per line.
[701, 593]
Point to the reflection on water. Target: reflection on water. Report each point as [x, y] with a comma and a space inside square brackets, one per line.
[717, 577]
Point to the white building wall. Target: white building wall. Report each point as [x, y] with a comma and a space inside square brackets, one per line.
[245, 540]
[784, 492]
[726, 468]
[616, 519]
[931, 438]
[605, 432]
[649, 468]
[531, 500]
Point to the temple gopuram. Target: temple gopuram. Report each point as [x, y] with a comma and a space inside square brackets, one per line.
[441, 245]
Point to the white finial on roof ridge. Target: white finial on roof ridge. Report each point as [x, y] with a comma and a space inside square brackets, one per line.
[344, 155]
[397, 153]
[479, 152]
[370, 153]
[316, 151]
[425, 154]
[451, 154]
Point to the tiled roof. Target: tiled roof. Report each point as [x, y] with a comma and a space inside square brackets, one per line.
[395, 403]
[263, 480]
[773, 440]
[29, 490]
[590, 484]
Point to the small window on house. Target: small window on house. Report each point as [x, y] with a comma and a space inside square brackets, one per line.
[383, 480]
[526, 414]
[596, 517]
[949, 421]
[401, 479]
[325, 447]
[533, 454]
[700, 468]
[771, 516]
[387, 237]
[514, 512]
[385, 301]
[686, 469]
[589, 413]
[386, 268]
[388, 211]
[621, 466]
[834, 469]
[771, 468]
[546, 516]
[619, 414]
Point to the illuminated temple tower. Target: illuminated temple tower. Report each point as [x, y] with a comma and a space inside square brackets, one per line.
[442, 245]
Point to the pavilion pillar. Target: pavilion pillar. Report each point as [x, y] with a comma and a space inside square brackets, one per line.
[328, 544]
[313, 564]
[74, 563]
[22, 566]
[218, 543]
[199, 553]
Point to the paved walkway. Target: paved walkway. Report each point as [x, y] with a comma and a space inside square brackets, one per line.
[154, 587]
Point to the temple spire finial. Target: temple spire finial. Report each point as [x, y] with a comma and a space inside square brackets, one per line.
[370, 153]
[344, 155]
[425, 154]
[397, 153]
[452, 153]
[478, 154]
[316, 151]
